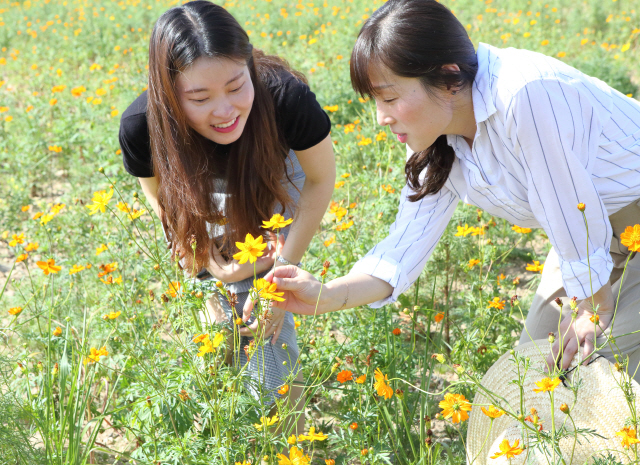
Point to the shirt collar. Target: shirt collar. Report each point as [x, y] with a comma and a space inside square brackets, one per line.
[483, 106]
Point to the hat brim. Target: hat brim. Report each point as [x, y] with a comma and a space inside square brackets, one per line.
[598, 405]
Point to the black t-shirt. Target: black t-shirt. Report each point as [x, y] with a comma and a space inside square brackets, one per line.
[299, 117]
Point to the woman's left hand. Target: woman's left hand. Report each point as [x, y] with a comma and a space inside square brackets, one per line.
[273, 325]
[582, 330]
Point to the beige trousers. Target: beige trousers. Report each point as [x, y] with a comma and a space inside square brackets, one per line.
[544, 314]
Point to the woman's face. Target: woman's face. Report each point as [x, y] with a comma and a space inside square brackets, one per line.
[216, 95]
[416, 117]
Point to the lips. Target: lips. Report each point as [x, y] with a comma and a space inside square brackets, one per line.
[226, 127]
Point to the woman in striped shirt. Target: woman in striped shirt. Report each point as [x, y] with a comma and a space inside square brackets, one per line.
[521, 135]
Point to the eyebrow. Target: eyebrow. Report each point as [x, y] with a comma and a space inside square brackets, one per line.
[382, 87]
[203, 89]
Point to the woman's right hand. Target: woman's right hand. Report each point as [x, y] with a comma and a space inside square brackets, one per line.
[301, 291]
[230, 271]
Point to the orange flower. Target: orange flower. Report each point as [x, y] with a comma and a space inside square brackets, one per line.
[283, 390]
[508, 450]
[493, 412]
[76, 269]
[15, 310]
[106, 269]
[344, 376]
[353, 426]
[496, 303]
[16, 239]
[630, 238]
[473, 262]
[627, 436]
[174, 288]
[22, 257]
[57, 332]
[455, 406]
[329, 241]
[439, 317]
[381, 386]
[595, 319]
[31, 246]
[49, 266]
[397, 332]
[361, 379]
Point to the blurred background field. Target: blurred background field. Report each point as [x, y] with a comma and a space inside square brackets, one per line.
[68, 69]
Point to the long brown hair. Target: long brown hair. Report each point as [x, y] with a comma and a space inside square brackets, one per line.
[186, 163]
[415, 38]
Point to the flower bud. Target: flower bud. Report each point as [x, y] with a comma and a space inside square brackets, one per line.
[135, 194]
[101, 170]
[199, 295]
[284, 363]
[156, 267]
[551, 338]
[284, 346]
[219, 284]
[559, 302]
[564, 408]
[581, 206]
[400, 393]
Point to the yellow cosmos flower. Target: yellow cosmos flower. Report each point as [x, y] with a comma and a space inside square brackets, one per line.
[508, 450]
[174, 289]
[31, 246]
[547, 384]
[265, 422]
[381, 386]
[101, 249]
[493, 412]
[22, 257]
[76, 269]
[627, 436]
[16, 239]
[312, 436]
[100, 201]
[208, 345]
[455, 406]
[57, 332]
[496, 303]
[267, 290]
[95, 354]
[296, 457]
[250, 249]
[277, 221]
[361, 379]
[520, 230]
[49, 266]
[344, 226]
[536, 267]
[464, 231]
[291, 440]
[473, 262]
[111, 315]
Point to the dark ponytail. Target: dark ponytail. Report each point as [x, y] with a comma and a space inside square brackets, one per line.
[415, 39]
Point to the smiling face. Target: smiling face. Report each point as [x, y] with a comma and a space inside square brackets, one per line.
[416, 117]
[216, 95]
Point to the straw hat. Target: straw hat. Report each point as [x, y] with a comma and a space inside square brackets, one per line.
[600, 406]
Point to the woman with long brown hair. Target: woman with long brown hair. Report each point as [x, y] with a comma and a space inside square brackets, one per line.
[225, 137]
[521, 135]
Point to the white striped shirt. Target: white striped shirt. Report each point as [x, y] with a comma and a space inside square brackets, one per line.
[548, 137]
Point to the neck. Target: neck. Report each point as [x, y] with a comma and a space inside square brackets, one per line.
[463, 122]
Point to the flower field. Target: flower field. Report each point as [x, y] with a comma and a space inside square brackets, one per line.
[104, 356]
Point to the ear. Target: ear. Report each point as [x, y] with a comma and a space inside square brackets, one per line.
[452, 68]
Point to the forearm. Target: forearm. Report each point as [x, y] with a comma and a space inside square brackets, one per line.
[314, 199]
[352, 290]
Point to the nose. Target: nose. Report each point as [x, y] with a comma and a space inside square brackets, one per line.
[222, 109]
[382, 117]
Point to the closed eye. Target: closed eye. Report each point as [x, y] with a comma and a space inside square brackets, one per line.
[389, 100]
[237, 88]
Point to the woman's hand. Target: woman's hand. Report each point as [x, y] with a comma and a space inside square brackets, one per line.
[579, 330]
[301, 291]
[273, 325]
[231, 271]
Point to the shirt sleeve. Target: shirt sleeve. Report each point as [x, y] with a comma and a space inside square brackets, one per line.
[298, 114]
[555, 132]
[134, 139]
[401, 256]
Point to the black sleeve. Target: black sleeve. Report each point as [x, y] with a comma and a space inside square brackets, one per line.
[298, 114]
[134, 139]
